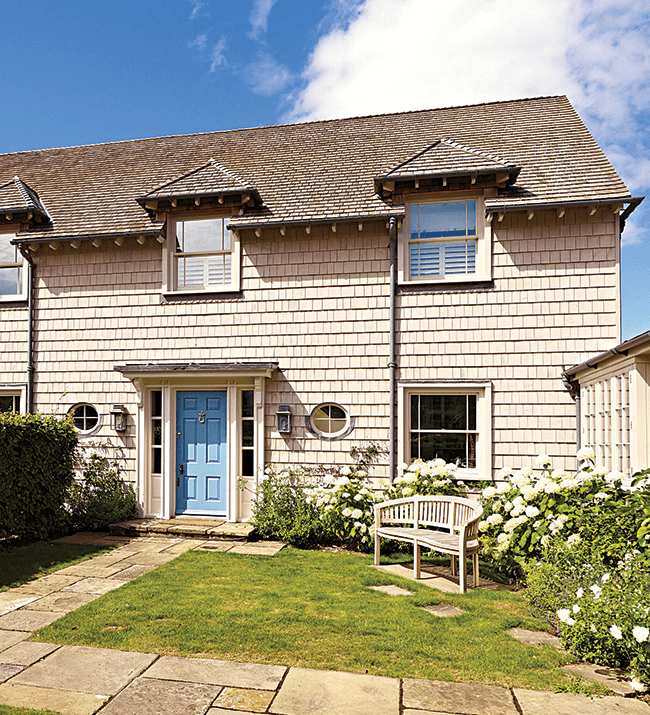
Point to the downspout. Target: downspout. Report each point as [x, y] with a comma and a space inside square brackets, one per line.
[392, 365]
[25, 252]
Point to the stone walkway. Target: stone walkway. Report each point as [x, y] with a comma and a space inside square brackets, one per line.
[77, 680]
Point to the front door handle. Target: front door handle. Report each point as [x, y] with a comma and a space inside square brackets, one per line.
[181, 470]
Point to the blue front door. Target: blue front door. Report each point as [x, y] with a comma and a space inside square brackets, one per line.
[201, 454]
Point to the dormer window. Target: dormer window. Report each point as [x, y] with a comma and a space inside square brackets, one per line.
[442, 239]
[445, 241]
[203, 256]
[11, 269]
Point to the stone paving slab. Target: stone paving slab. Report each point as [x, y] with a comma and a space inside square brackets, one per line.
[244, 699]
[536, 702]
[10, 601]
[217, 672]
[91, 585]
[10, 638]
[61, 602]
[8, 671]
[26, 653]
[444, 610]
[146, 558]
[98, 671]
[131, 572]
[535, 637]
[148, 696]
[614, 679]
[63, 701]
[435, 695]
[247, 548]
[217, 545]
[318, 692]
[438, 577]
[89, 568]
[224, 711]
[392, 590]
[180, 547]
[45, 584]
[27, 620]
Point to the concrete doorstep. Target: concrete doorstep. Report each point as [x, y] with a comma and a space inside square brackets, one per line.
[78, 680]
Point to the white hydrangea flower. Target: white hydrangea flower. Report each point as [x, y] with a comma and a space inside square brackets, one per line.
[358, 497]
[545, 539]
[347, 511]
[503, 538]
[506, 472]
[482, 525]
[637, 685]
[407, 491]
[605, 578]
[494, 519]
[580, 593]
[593, 629]
[489, 492]
[543, 461]
[551, 487]
[596, 589]
[503, 488]
[342, 481]
[357, 513]
[508, 506]
[564, 614]
[517, 510]
[614, 476]
[531, 511]
[616, 632]
[569, 483]
[519, 501]
[600, 496]
[576, 608]
[586, 453]
[573, 540]
[329, 507]
[640, 634]
[346, 471]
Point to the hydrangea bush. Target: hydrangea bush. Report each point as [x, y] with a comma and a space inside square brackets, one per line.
[523, 513]
[426, 478]
[600, 611]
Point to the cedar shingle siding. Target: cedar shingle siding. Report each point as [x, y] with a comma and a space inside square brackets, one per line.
[317, 303]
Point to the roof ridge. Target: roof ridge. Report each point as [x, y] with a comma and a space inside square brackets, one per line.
[233, 175]
[287, 124]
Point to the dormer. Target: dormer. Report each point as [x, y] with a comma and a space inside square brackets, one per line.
[447, 165]
[211, 186]
[20, 204]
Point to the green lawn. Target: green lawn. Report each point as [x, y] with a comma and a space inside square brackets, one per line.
[313, 609]
[24, 563]
[8, 710]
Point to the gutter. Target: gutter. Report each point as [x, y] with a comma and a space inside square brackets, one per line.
[392, 364]
[25, 252]
[621, 349]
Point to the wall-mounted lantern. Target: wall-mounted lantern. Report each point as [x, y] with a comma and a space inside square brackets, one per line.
[283, 419]
[118, 418]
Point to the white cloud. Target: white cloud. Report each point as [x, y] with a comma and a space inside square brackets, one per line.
[267, 77]
[197, 6]
[217, 58]
[200, 42]
[259, 16]
[395, 55]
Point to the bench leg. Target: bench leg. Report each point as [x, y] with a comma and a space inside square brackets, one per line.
[377, 549]
[476, 577]
[454, 566]
[416, 560]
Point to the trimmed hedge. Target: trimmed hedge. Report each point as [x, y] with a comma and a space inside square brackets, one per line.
[36, 471]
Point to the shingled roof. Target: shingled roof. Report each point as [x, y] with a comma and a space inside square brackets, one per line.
[320, 171]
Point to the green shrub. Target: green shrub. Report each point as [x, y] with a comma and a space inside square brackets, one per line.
[282, 510]
[36, 471]
[602, 613]
[523, 514]
[100, 497]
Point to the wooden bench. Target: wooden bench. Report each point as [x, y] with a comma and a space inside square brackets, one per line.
[445, 524]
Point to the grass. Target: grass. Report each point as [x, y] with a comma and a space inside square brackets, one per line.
[8, 710]
[23, 563]
[314, 609]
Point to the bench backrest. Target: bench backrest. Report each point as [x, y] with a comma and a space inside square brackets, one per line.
[450, 513]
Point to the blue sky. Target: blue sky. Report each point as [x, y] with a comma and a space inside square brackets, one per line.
[80, 71]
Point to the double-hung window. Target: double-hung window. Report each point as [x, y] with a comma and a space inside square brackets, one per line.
[11, 269]
[450, 421]
[445, 241]
[205, 256]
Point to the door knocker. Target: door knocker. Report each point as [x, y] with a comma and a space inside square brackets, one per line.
[201, 417]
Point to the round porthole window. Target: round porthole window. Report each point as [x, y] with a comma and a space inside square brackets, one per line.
[85, 418]
[330, 421]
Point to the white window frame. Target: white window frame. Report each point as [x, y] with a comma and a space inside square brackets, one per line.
[22, 264]
[19, 391]
[169, 258]
[483, 258]
[483, 393]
